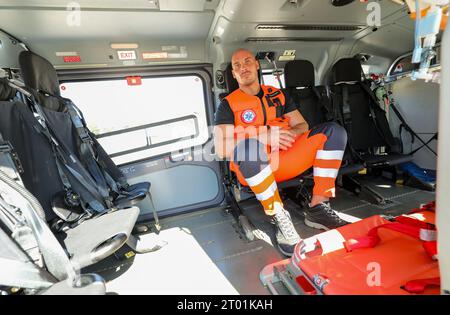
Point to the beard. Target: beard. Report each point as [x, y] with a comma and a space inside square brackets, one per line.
[249, 80]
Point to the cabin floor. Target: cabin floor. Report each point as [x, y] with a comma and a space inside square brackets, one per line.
[206, 255]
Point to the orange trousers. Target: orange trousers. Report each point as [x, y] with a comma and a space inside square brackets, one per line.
[321, 148]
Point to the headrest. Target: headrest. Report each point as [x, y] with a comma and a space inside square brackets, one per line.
[299, 73]
[346, 70]
[6, 92]
[231, 82]
[38, 73]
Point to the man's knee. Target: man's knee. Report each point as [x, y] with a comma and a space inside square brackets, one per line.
[335, 133]
[249, 150]
[251, 157]
[338, 132]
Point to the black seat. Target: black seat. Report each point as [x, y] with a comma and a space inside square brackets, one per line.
[314, 104]
[87, 242]
[299, 79]
[363, 118]
[67, 125]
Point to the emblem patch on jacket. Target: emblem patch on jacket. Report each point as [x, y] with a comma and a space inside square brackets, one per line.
[248, 116]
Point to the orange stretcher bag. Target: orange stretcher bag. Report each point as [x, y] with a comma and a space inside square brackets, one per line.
[374, 256]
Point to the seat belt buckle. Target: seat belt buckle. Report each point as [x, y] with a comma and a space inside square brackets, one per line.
[85, 137]
[6, 147]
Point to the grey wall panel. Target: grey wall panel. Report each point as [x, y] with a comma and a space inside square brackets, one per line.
[9, 50]
[179, 186]
[418, 103]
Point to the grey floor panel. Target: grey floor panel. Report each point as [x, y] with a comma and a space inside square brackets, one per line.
[219, 262]
[243, 270]
[198, 220]
[222, 241]
[346, 200]
[410, 201]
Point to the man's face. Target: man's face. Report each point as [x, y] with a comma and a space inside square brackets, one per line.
[245, 68]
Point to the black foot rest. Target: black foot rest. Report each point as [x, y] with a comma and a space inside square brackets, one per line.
[388, 159]
[351, 169]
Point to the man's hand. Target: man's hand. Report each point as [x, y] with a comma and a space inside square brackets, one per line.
[281, 139]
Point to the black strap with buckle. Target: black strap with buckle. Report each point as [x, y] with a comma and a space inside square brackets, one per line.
[7, 148]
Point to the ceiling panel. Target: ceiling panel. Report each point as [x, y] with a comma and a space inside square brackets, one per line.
[52, 24]
[116, 4]
[306, 11]
[391, 40]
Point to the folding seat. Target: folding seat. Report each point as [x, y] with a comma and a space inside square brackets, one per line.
[365, 121]
[371, 256]
[30, 256]
[87, 241]
[314, 103]
[101, 184]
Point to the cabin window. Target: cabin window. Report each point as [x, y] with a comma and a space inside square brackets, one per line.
[270, 79]
[157, 116]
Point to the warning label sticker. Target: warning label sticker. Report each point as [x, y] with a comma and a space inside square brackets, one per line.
[155, 55]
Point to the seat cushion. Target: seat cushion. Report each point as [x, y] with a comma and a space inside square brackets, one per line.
[82, 240]
[399, 258]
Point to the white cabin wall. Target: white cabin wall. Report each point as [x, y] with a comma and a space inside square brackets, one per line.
[418, 102]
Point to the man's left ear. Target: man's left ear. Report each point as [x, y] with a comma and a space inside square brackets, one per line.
[257, 65]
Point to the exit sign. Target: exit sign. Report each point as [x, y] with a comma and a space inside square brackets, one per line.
[126, 55]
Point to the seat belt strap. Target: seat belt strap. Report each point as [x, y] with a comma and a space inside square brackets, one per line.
[411, 131]
[61, 157]
[323, 103]
[88, 152]
[346, 109]
[9, 160]
[385, 135]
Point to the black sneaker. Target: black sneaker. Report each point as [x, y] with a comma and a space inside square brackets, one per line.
[321, 216]
[286, 235]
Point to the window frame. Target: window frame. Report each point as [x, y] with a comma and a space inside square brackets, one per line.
[270, 72]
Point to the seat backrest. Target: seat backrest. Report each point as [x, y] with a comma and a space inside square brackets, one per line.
[40, 75]
[365, 121]
[300, 85]
[9, 162]
[230, 81]
[18, 127]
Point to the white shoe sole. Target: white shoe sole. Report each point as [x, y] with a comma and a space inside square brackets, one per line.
[316, 225]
